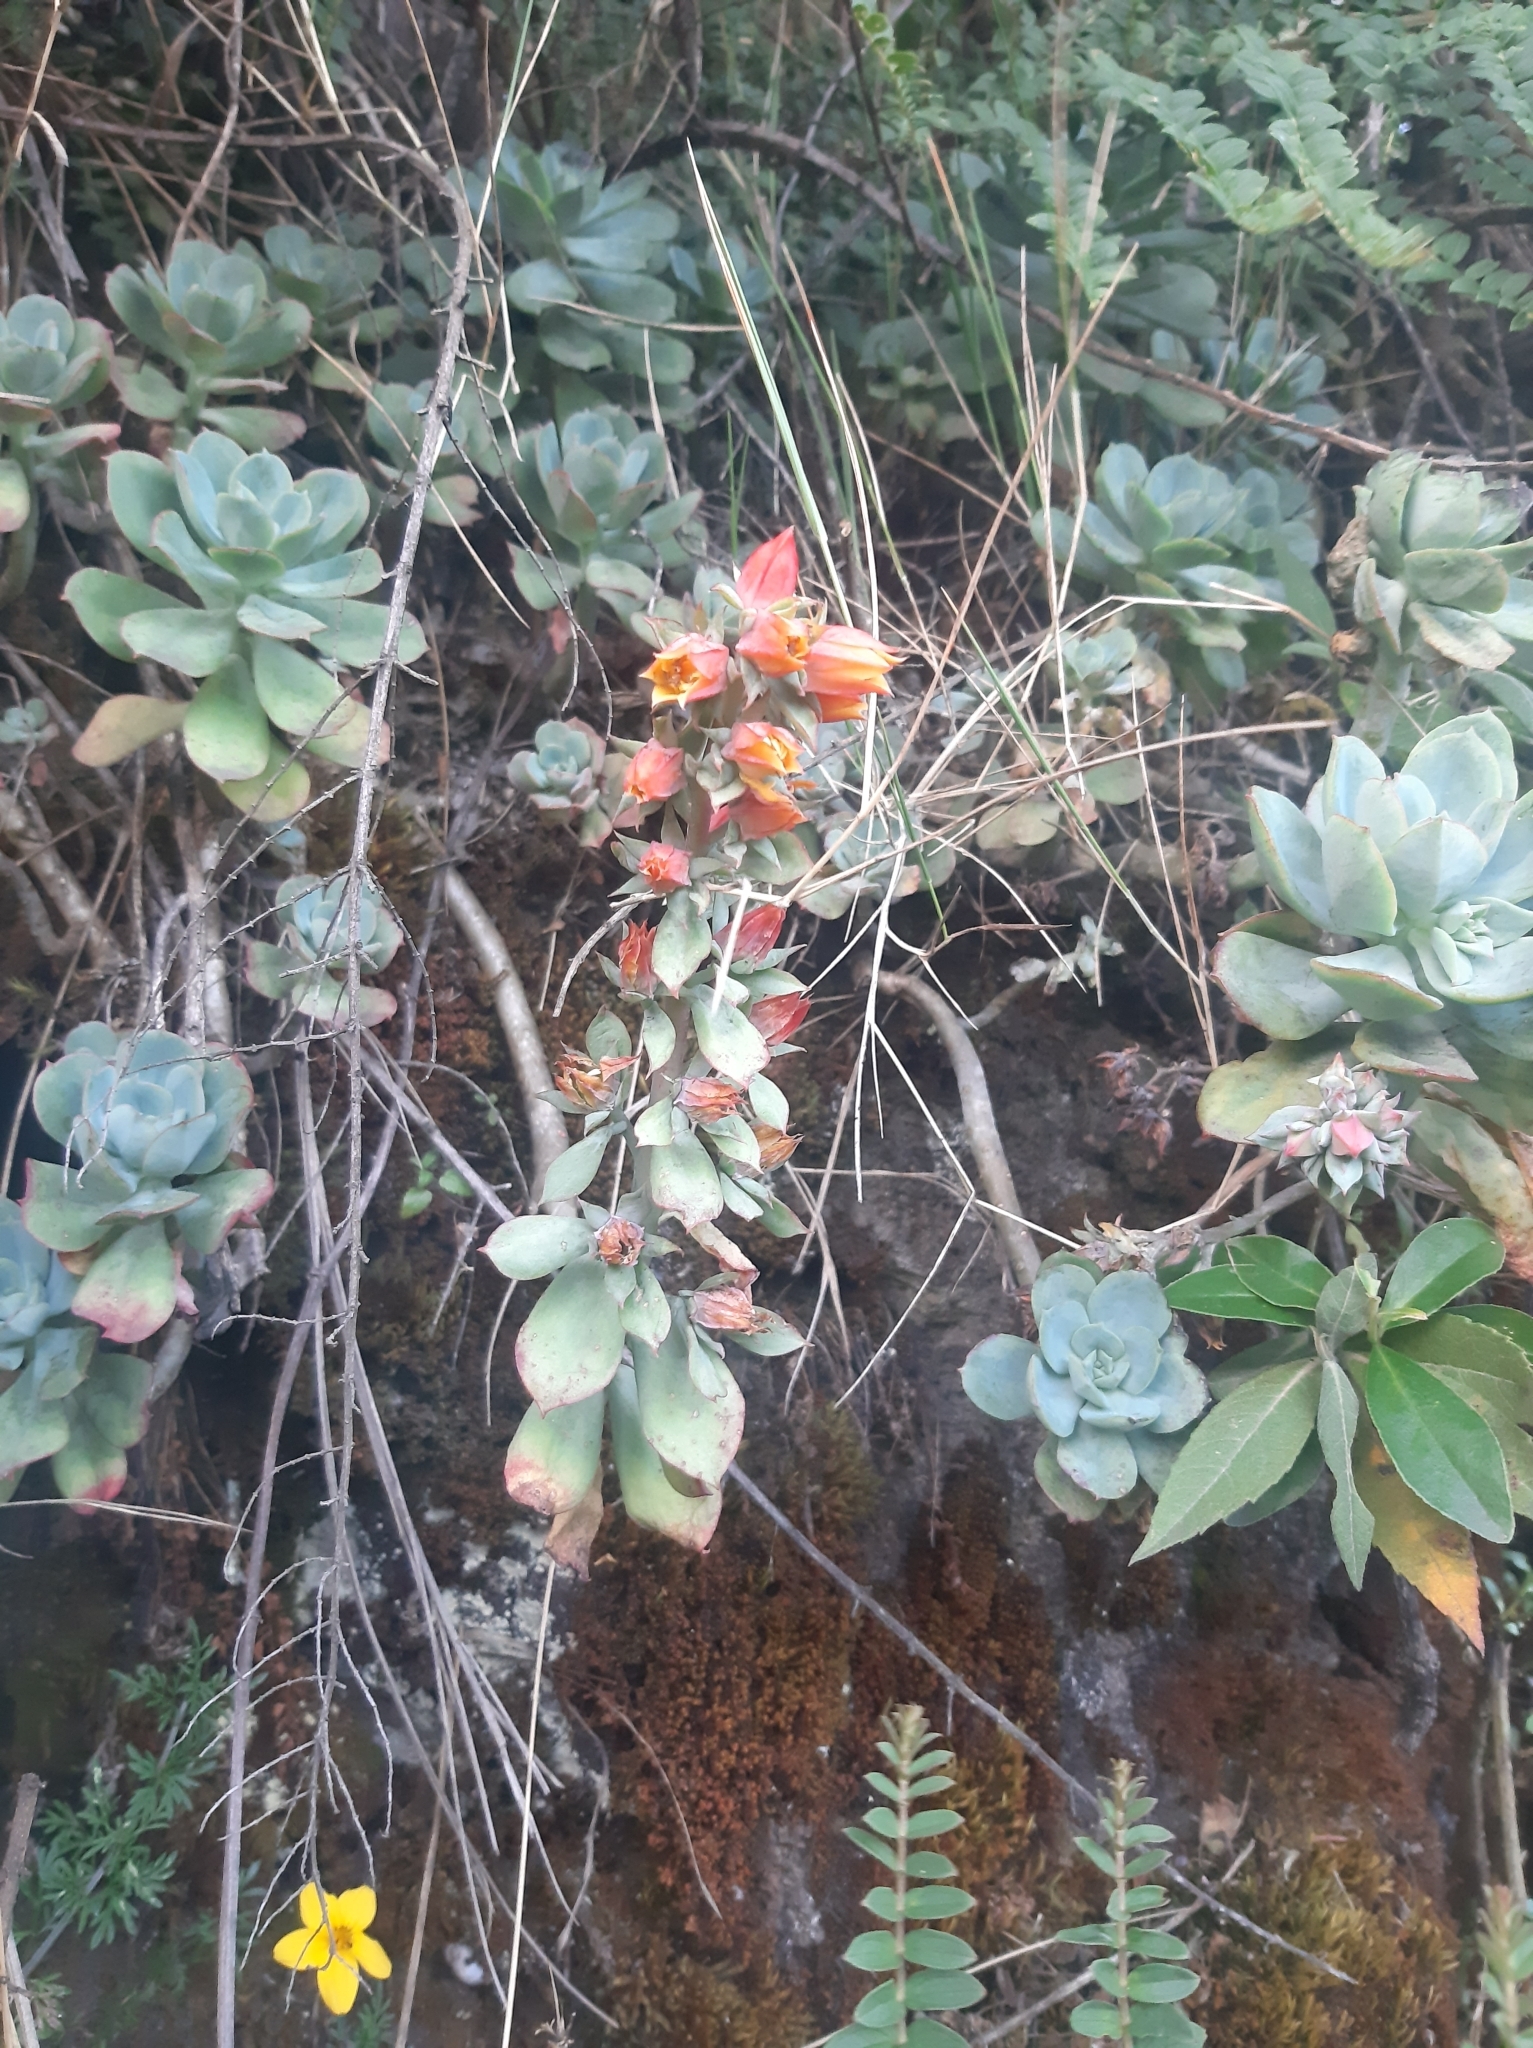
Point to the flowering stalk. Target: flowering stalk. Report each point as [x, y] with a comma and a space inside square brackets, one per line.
[705, 825]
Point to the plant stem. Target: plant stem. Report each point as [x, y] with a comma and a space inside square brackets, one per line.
[1498, 1675]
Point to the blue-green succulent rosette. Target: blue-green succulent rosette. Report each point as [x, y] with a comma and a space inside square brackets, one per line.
[1409, 903]
[148, 1124]
[1108, 1378]
[59, 1397]
[307, 971]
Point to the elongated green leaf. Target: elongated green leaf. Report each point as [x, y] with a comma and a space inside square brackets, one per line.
[574, 1170]
[1440, 1263]
[1336, 1425]
[1161, 1984]
[1445, 1453]
[1220, 1291]
[1283, 1274]
[529, 1247]
[931, 1949]
[1241, 1448]
[1476, 1354]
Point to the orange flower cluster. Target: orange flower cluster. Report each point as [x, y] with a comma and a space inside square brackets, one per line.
[841, 666]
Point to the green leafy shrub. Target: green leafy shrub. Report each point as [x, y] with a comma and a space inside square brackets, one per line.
[212, 317]
[266, 556]
[150, 1178]
[1505, 1942]
[1417, 1409]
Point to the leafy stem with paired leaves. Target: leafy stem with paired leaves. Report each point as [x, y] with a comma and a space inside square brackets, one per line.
[925, 1969]
[1144, 1973]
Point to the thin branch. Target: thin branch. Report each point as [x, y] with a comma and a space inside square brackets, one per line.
[523, 1039]
[990, 1162]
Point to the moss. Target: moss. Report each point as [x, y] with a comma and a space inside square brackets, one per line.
[733, 1667]
[967, 1601]
[1345, 1900]
[671, 1999]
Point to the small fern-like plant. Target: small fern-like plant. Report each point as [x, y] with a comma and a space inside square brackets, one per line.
[924, 1968]
[1144, 1973]
[1506, 1951]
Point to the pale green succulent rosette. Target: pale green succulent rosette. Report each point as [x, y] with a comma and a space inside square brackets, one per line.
[1108, 1378]
[266, 555]
[59, 1397]
[307, 970]
[1196, 539]
[49, 360]
[212, 316]
[591, 491]
[1411, 898]
[1433, 578]
[149, 1178]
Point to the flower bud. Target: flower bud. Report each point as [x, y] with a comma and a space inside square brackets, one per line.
[706, 1098]
[665, 867]
[776, 1147]
[619, 1242]
[724, 1308]
[778, 1017]
[654, 773]
[759, 813]
[585, 1084]
[758, 932]
[635, 958]
[769, 573]
[844, 666]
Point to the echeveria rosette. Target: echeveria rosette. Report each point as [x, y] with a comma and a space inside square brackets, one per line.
[1410, 900]
[1187, 534]
[478, 446]
[1108, 1378]
[213, 317]
[59, 1397]
[1434, 564]
[1347, 1141]
[596, 252]
[590, 491]
[147, 1124]
[49, 361]
[308, 969]
[570, 771]
[336, 281]
[267, 557]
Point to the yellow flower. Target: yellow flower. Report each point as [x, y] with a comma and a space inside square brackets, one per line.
[333, 1941]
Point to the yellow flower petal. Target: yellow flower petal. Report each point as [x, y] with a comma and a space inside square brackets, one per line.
[355, 1908]
[310, 1912]
[371, 1955]
[292, 1951]
[338, 1983]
